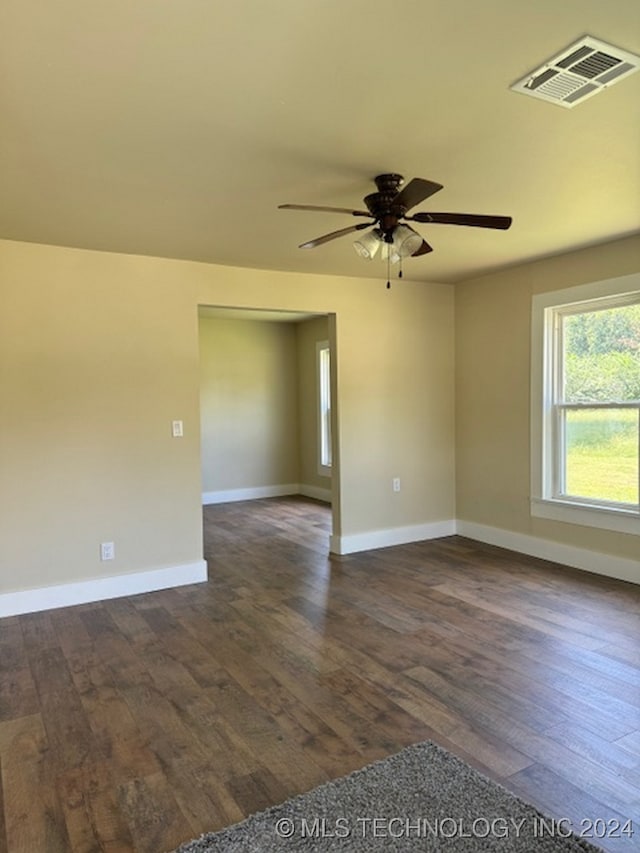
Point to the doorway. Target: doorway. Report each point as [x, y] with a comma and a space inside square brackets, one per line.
[260, 393]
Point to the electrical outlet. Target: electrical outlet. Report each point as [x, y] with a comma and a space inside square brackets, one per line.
[176, 429]
[396, 484]
[107, 551]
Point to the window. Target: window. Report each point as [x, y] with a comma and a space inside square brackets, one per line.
[586, 405]
[324, 407]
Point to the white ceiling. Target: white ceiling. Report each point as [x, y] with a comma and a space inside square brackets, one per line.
[176, 127]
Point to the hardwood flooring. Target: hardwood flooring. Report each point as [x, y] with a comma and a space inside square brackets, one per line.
[138, 723]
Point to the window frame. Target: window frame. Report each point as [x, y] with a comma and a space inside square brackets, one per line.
[548, 498]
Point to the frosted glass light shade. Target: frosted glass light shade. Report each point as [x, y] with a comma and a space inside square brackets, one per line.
[405, 242]
[367, 245]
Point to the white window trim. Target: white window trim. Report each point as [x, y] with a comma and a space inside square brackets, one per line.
[322, 346]
[543, 502]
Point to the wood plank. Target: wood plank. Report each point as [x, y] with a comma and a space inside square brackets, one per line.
[565, 801]
[18, 695]
[203, 796]
[154, 817]
[610, 755]
[93, 817]
[33, 815]
[630, 742]
[4, 847]
[595, 778]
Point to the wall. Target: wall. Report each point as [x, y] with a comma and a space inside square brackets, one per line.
[493, 352]
[248, 405]
[99, 353]
[308, 334]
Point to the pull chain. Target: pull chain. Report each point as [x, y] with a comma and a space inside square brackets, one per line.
[388, 272]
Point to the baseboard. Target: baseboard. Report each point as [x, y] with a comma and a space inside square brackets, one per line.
[250, 494]
[316, 492]
[100, 589]
[391, 536]
[257, 492]
[619, 568]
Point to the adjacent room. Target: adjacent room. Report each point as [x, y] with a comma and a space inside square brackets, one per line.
[319, 425]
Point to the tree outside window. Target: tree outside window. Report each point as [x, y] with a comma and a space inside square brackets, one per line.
[599, 403]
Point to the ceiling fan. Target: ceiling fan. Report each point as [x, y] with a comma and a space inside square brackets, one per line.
[387, 211]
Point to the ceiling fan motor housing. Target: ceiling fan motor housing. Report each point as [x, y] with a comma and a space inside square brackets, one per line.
[389, 183]
[381, 206]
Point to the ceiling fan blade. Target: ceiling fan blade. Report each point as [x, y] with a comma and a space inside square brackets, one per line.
[423, 250]
[311, 244]
[475, 220]
[416, 191]
[324, 209]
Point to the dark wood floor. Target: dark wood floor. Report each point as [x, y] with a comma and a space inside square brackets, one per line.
[138, 723]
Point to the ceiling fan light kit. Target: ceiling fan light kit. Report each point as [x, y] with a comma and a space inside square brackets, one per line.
[387, 211]
[404, 242]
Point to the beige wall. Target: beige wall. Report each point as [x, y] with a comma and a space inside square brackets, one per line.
[99, 353]
[493, 357]
[308, 335]
[248, 404]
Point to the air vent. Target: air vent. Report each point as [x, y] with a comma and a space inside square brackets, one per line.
[583, 69]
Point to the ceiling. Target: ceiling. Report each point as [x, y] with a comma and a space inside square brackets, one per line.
[175, 127]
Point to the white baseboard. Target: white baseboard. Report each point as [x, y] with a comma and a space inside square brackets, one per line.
[249, 494]
[100, 589]
[256, 492]
[316, 492]
[391, 536]
[619, 568]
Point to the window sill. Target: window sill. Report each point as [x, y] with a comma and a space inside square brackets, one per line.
[619, 520]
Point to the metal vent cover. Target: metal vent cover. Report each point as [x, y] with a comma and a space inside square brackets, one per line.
[581, 70]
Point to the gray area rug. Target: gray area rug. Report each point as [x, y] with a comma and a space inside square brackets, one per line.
[422, 798]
